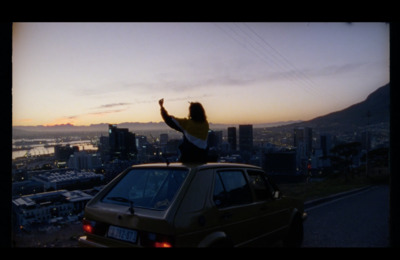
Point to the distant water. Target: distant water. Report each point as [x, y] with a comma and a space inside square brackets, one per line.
[36, 147]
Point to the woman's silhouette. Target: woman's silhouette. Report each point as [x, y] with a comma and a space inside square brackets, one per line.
[195, 132]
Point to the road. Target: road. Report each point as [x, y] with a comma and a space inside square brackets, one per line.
[357, 220]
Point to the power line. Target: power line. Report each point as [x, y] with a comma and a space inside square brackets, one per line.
[299, 73]
[261, 48]
[240, 42]
[261, 52]
[290, 64]
[276, 60]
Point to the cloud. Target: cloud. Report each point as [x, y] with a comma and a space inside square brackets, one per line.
[189, 98]
[71, 117]
[112, 105]
[96, 113]
[219, 80]
[335, 70]
[100, 113]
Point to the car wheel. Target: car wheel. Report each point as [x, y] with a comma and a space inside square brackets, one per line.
[294, 237]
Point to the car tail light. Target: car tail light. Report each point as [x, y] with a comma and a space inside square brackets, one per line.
[162, 244]
[88, 226]
[156, 240]
[94, 227]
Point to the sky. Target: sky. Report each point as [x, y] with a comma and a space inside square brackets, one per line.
[242, 73]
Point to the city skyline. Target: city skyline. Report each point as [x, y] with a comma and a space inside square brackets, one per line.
[242, 73]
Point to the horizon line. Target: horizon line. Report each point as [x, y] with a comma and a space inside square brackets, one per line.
[159, 122]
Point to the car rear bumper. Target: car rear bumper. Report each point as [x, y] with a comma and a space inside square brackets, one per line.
[84, 242]
[98, 241]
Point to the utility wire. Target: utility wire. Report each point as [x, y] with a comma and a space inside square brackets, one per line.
[255, 44]
[303, 77]
[291, 73]
[247, 42]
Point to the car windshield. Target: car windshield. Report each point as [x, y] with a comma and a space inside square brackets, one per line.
[151, 188]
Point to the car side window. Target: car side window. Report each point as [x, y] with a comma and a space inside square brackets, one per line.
[231, 188]
[262, 188]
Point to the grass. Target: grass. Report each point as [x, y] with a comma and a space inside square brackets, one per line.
[331, 185]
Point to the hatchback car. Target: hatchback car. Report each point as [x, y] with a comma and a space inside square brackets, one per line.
[178, 205]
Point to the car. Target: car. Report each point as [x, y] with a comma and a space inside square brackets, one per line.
[192, 205]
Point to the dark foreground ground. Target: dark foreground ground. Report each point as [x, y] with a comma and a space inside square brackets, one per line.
[67, 235]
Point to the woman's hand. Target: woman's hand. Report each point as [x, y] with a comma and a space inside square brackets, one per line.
[161, 102]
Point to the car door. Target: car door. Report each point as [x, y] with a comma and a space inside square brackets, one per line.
[236, 209]
[272, 212]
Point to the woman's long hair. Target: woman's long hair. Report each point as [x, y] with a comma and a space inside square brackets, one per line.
[196, 112]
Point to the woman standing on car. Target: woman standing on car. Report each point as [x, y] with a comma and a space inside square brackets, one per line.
[195, 132]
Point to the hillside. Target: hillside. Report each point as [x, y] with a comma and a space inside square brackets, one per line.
[375, 109]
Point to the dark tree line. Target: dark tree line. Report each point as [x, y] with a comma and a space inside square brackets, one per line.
[342, 156]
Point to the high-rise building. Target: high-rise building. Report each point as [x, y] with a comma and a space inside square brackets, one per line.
[302, 140]
[326, 144]
[246, 138]
[141, 142]
[214, 139]
[232, 138]
[163, 139]
[62, 153]
[84, 161]
[122, 142]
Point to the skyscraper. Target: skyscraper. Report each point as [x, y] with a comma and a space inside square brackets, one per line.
[246, 138]
[302, 140]
[214, 139]
[163, 139]
[232, 138]
[326, 144]
[121, 141]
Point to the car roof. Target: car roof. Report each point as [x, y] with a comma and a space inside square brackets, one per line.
[196, 166]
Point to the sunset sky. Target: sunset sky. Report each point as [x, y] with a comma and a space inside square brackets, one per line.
[242, 73]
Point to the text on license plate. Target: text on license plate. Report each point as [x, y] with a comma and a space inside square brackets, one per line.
[122, 234]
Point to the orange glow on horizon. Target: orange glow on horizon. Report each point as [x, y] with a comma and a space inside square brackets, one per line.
[61, 121]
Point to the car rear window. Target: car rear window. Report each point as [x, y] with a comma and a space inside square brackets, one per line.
[150, 188]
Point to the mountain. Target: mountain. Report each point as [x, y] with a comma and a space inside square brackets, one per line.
[103, 127]
[375, 109]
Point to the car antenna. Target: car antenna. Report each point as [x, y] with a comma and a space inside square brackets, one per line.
[131, 210]
[166, 159]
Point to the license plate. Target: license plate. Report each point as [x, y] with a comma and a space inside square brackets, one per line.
[122, 234]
